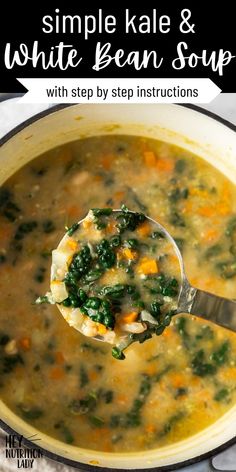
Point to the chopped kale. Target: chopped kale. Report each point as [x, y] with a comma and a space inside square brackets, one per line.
[220, 355]
[171, 423]
[213, 251]
[39, 275]
[48, 226]
[32, 413]
[96, 421]
[180, 166]
[222, 395]
[72, 229]
[176, 219]
[117, 353]
[83, 375]
[200, 366]
[24, 229]
[129, 221]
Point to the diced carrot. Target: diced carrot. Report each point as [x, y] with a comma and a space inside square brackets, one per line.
[206, 211]
[122, 399]
[72, 244]
[150, 428]
[144, 229]
[149, 158]
[119, 195]
[129, 317]
[129, 254]
[106, 162]
[164, 165]
[210, 235]
[187, 207]
[195, 381]
[97, 178]
[147, 266]
[223, 208]
[177, 379]
[226, 194]
[86, 224]
[56, 373]
[25, 343]
[199, 192]
[204, 395]
[151, 369]
[59, 358]
[229, 373]
[167, 332]
[111, 226]
[101, 328]
[93, 375]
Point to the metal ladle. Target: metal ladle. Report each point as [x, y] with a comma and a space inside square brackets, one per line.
[219, 310]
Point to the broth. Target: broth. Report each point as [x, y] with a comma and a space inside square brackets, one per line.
[69, 386]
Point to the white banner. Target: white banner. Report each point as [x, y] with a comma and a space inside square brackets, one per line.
[119, 90]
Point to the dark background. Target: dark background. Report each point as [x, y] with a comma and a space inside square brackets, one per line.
[214, 29]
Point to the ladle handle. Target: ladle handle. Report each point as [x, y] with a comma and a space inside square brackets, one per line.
[219, 310]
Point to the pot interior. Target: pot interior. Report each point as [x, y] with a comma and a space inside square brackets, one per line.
[184, 127]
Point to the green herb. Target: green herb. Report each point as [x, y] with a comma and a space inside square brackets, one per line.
[220, 356]
[91, 348]
[102, 211]
[157, 235]
[133, 195]
[200, 366]
[178, 194]
[83, 375]
[31, 414]
[213, 251]
[40, 274]
[41, 300]
[107, 396]
[72, 229]
[180, 392]
[227, 269]
[106, 256]
[171, 423]
[205, 333]
[48, 226]
[8, 363]
[115, 241]
[117, 353]
[4, 339]
[133, 417]
[2, 258]
[8, 208]
[129, 221]
[180, 243]
[96, 421]
[132, 243]
[231, 226]
[114, 291]
[99, 214]
[181, 326]
[99, 311]
[176, 219]
[222, 395]
[84, 405]
[24, 229]
[69, 439]
[180, 166]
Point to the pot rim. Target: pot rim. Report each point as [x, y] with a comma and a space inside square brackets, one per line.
[45, 452]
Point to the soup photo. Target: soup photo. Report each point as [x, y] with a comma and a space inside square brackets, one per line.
[97, 357]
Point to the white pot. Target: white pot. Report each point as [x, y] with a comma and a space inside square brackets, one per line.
[190, 128]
